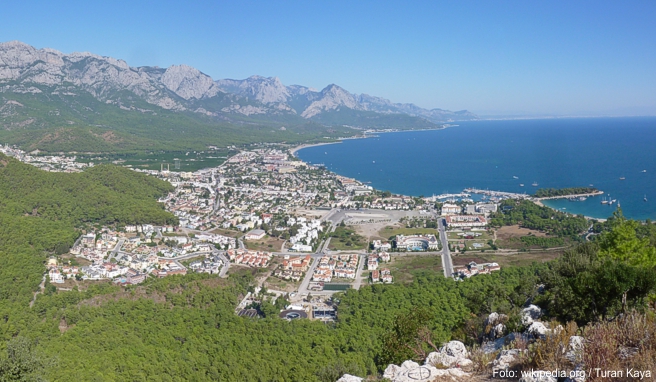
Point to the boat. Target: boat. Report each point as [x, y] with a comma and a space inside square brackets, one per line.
[373, 161]
[515, 177]
[582, 198]
[535, 184]
[622, 178]
[521, 185]
[645, 199]
[612, 201]
[604, 201]
[644, 170]
[591, 185]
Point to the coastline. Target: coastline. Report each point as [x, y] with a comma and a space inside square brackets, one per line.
[294, 150]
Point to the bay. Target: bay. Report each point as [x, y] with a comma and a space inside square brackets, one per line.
[555, 153]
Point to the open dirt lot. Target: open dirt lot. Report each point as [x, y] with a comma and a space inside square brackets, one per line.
[509, 232]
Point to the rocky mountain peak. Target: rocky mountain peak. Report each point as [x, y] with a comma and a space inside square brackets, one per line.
[188, 82]
[332, 98]
[263, 89]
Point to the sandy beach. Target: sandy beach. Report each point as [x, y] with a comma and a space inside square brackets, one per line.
[303, 146]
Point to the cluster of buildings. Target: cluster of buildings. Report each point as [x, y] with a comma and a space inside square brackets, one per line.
[473, 269]
[54, 163]
[128, 257]
[256, 259]
[381, 245]
[467, 216]
[211, 264]
[374, 259]
[465, 221]
[382, 276]
[307, 233]
[338, 266]
[293, 268]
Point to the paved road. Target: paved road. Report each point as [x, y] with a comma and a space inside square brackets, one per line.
[447, 262]
[358, 273]
[303, 289]
[116, 249]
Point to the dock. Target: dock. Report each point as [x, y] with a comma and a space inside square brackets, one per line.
[500, 194]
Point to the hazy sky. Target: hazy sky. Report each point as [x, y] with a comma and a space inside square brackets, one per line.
[490, 57]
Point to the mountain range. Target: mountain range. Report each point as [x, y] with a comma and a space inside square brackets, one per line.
[50, 96]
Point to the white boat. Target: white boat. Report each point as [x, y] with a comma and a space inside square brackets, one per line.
[515, 177]
[604, 201]
[521, 185]
[645, 198]
[535, 184]
[644, 170]
[582, 198]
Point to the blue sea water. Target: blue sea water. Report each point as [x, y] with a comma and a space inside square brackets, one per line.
[555, 153]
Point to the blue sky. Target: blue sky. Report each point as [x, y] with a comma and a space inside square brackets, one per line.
[490, 57]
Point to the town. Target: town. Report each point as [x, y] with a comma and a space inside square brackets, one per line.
[265, 209]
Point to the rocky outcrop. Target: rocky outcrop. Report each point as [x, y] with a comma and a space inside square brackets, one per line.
[505, 359]
[452, 354]
[530, 314]
[495, 325]
[349, 378]
[537, 329]
[410, 371]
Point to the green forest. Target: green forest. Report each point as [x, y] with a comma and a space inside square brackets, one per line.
[184, 328]
[529, 215]
[549, 192]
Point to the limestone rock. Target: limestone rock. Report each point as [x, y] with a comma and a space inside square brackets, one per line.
[504, 359]
[349, 378]
[537, 329]
[410, 371]
[455, 349]
[530, 314]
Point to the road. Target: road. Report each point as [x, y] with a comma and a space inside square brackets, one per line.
[447, 262]
[303, 288]
[116, 249]
[358, 273]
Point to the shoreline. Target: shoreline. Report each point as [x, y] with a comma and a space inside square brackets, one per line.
[368, 134]
[294, 150]
[539, 203]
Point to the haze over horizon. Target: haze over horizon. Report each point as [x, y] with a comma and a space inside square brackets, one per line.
[491, 58]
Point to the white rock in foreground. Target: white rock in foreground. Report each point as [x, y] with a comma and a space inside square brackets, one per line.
[530, 314]
[349, 378]
[538, 329]
[410, 371]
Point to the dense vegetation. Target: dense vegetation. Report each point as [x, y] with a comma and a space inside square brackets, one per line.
[529, 215]
[184, 327]
[549, 192]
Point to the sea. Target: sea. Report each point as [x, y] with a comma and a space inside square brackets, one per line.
[502, 155]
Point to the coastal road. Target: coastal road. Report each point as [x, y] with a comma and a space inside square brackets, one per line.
[447, 262]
